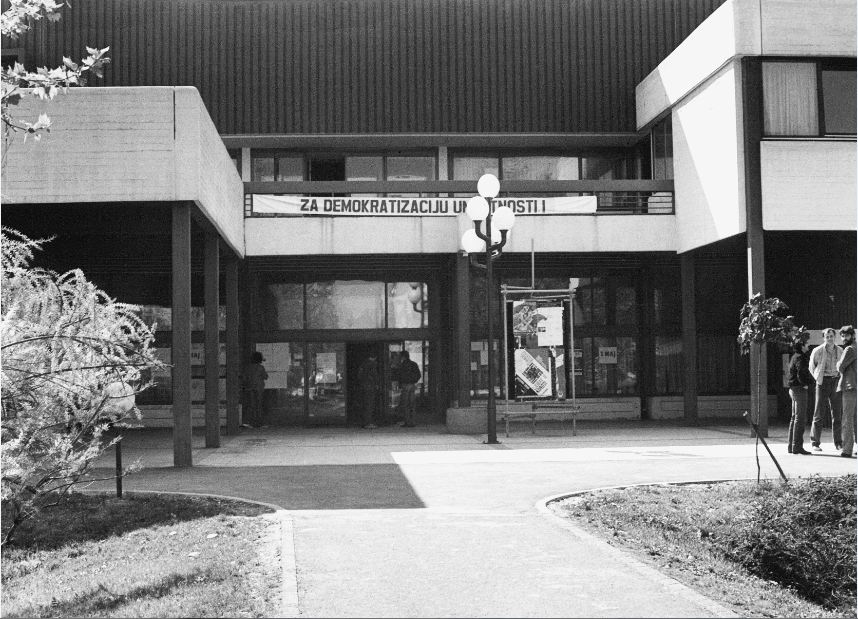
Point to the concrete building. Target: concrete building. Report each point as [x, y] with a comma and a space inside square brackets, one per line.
[289, 177]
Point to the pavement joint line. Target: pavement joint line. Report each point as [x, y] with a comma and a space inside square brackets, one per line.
[667, 582]
[289, 606]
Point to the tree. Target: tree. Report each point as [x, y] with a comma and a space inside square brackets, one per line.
[43, 83]
[73, 360]
[764, 321]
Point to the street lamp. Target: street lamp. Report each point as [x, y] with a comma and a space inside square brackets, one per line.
[490, 241]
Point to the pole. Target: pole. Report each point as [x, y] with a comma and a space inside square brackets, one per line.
[755, 431]
[491, 438]
[118, 466]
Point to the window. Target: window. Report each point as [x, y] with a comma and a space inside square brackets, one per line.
[662, 149]
[546, 167]
[272, 166]
[235, 155]
[812, 98]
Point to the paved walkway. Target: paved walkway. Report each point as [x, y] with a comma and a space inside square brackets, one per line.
[416, 522]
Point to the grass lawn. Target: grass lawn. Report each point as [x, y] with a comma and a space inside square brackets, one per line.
[144, 556]
[697, 534]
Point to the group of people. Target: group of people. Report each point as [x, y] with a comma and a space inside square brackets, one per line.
[830, 370]
[407, 374]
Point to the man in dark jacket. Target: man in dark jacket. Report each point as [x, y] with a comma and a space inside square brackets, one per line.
[800, 379]
[846, 386]
[409, 376]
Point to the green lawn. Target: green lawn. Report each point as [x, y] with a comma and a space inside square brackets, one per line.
[764, 550]
[144, 556]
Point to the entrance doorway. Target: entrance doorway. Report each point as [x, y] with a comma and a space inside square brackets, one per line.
[320, 383]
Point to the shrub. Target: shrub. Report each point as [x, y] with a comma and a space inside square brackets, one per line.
[73, 359]
[802, 536]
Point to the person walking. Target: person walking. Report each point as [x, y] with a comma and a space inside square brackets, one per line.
[369, 385]
[409, 376]
[823, 367]
[254, 388]
[800, 379]
[846, 387]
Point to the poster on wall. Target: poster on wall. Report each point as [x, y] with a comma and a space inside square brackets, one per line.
[532, 372]
[608, 355]
[549, 332]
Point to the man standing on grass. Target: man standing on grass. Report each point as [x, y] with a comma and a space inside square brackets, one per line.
[823, 367]
[846, 387]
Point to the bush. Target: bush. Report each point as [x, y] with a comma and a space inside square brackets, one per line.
[73, 360]
[802, 536]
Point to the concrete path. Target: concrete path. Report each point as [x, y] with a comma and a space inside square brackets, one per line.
[417, 522]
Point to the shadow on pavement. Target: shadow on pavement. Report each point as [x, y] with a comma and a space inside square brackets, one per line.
[359, 486]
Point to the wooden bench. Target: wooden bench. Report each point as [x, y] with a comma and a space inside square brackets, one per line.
[543, 409]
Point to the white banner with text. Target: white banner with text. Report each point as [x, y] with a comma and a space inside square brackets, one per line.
[302, 206]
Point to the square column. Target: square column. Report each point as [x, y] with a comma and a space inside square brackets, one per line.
[463, 330]
[689, 338]
[211, 270]
[181, 351]
[233, 348]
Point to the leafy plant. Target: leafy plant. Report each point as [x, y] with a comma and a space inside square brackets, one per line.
[73, 360]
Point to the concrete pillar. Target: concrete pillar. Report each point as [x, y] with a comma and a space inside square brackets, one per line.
[752, 124]
[181, 351]
[211, 277]
[463, 330]
[233, 348]
[689, 338]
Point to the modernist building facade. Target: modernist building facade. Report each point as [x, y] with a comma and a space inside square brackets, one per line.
[288, 176]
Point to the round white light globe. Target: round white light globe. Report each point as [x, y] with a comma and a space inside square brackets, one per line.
[471, 243]
[503, 218]
[477, 209]
[414, 296]
[488, 185]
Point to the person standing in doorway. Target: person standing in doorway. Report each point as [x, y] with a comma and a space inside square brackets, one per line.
[254, 388]
[369, 385]
[846, 387]
[409, 376]
[800, 380]
[823, 367]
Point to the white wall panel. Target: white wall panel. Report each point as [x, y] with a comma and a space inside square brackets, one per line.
[708, 162]
[808, 27]
[283, 236]
[808, 185]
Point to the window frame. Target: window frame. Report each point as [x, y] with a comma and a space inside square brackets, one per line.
[820, 65]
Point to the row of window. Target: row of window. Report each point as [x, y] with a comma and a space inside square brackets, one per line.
[267, 166]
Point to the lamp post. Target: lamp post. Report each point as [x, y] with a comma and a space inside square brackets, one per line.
[490, 241]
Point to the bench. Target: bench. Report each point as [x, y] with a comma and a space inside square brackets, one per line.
[540, 409]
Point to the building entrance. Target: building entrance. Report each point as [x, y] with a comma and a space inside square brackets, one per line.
[351, 383]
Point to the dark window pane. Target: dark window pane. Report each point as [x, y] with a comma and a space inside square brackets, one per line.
[281, 306]
[626, 304]
[838, 101]
[668, 364]
[290, 168]
[262, 169]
